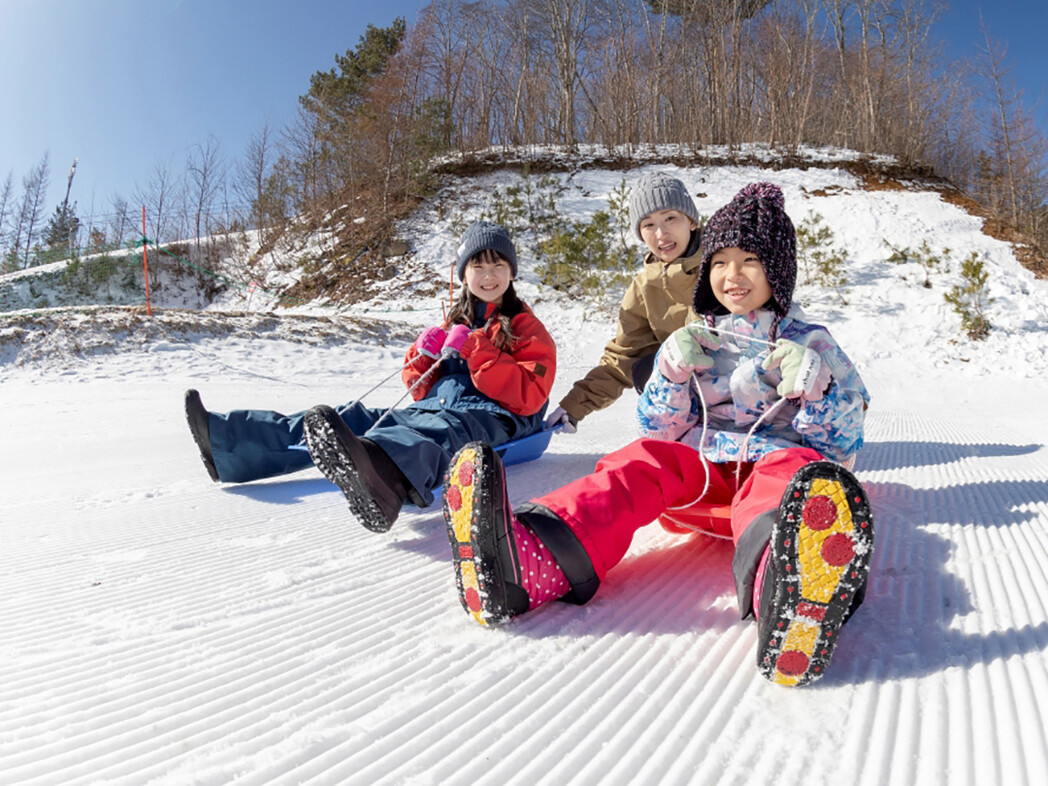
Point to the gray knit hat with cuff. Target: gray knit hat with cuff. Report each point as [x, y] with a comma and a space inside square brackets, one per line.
[484, 236]
[657, 191]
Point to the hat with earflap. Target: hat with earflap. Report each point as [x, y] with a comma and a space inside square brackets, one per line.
[657, 191]
[755, 221]
[485, 236]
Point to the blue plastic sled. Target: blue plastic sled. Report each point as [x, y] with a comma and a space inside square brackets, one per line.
[528, 448]
[517, 451]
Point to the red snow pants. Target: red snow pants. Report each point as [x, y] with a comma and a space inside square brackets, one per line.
[634, 485]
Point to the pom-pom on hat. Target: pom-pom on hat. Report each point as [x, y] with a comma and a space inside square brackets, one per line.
[754, 221]
[657, 191]
[483, 236]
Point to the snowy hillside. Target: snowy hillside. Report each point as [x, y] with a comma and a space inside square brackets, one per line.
[162, 629]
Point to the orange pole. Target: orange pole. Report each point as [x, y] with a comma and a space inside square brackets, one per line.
[145, 262]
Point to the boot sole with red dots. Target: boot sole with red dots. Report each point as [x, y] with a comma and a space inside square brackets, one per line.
[820, 558]
[477, 515]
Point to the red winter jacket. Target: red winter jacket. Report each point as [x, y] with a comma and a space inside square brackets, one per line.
[519, 380]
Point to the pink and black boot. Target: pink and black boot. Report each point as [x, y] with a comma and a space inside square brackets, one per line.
[502, 568]
[814, 573]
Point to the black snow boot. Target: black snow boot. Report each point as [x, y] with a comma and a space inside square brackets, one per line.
[196, 417]
[373, 485]
[819, 563]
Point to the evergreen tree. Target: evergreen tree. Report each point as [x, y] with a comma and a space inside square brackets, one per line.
[332, 95]
[62, 230]
[340, 146]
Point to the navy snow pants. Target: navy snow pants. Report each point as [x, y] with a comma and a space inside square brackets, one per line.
[249, 444]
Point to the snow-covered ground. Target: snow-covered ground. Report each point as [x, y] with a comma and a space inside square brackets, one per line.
[156, 628]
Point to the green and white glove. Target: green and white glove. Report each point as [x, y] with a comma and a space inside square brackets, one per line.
[682, 354]
[803, 372]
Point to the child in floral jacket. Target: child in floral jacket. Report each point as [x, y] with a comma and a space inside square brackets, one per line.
[748, 428]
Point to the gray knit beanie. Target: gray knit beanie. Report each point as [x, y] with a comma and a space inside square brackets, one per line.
[755, 221]
[657, 191]
[483, 236]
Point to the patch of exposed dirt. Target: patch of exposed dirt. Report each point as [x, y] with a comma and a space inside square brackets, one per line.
[878, 182]
[1029, 253]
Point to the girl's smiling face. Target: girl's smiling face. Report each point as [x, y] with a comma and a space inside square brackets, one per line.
[738, 281]
[666, 233]
[488, 276]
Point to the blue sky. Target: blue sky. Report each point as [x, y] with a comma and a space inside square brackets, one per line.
[126, 84]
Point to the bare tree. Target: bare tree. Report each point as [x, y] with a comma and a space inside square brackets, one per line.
[159, 196]
[31, 208]
[785, 71]
[1005, 104]
[205, 173]
[612, 98]
[565, 25]
[528, 105]
[6, 194]
[837, 12]
[395, 136]
[870, 20]
[926, 97]
[445, 34]
[252, 173]
[628, 99]
[672, 67]
[122, 220]
[305, 150]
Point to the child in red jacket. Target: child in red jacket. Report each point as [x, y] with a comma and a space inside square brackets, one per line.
[486, 374]
[751, 409]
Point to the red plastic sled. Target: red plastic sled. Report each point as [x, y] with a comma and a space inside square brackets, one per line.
[712, 519]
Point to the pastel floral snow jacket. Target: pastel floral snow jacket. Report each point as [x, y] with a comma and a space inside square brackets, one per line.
[738, 390]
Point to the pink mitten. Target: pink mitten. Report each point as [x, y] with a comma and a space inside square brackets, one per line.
[430, 341]
[456, 338]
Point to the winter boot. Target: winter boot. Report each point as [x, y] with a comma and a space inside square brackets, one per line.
[373, 485]
[819, 561]
[502, 568]
[196, 417]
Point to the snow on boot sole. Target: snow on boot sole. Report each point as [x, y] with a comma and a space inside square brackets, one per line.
[820, 557]
[334, 461]
[477, 515]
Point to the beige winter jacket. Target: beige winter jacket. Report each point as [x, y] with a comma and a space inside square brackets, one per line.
[657, 302]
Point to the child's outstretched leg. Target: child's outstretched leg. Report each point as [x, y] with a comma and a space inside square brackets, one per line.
[502, 568]
[819, 560]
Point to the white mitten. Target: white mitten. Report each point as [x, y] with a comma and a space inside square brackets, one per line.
[681, 355]
[559, 417]
[803, 372]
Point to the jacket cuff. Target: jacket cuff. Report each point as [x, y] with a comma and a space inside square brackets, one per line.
[471, 344]
[574, 408]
